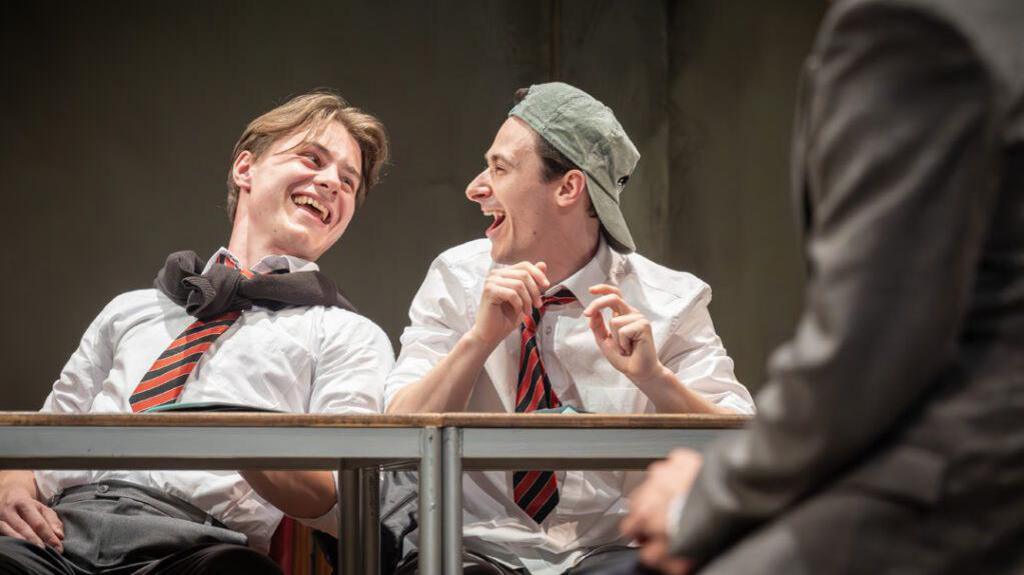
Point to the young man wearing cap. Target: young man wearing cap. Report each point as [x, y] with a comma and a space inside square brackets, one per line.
[513, 323]
[256, 324]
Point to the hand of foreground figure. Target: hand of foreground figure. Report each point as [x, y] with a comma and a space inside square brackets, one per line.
[648, 517]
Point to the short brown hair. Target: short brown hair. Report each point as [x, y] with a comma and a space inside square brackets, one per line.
[555, 164]
[306, 112]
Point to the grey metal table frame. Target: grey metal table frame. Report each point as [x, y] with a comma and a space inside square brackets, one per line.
[352, 446]
[569, 442]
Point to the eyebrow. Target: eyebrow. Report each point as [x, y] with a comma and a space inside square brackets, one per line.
[346, 167]
[495, 156]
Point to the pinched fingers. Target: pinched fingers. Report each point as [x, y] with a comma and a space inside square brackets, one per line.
[606, 341]
[524, 278]
[597, 326]
[604, 336]
[605, 289]
[628, 329]
[537, 271]
[500, 291]
[521, 289]
[613, 302]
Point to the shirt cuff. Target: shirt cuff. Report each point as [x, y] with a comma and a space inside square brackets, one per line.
[674, 515]
[328, 522]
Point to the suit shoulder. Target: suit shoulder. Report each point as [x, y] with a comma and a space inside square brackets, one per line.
[982, 33]
[990, 27]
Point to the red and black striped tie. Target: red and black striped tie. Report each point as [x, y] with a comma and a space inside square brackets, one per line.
[165, 379]
[536, 492]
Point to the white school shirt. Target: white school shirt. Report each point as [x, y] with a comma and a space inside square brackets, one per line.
[310, 359]
[591, 504]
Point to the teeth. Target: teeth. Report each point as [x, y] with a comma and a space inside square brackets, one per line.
[493, 213]
[308, 201]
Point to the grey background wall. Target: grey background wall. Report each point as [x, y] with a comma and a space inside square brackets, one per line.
[120, 118]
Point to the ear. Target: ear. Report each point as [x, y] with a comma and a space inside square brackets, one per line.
[572, 190]
[241, 171]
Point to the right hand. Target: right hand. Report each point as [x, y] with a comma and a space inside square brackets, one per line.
[509, 294]
[23, 517]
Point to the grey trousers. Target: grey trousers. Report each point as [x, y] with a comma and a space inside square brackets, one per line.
[119, 528]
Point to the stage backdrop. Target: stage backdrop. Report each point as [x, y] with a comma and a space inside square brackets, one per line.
[119, 119]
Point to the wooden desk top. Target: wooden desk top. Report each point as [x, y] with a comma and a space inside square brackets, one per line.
[466, 420]
[32, 418]
[594, 420]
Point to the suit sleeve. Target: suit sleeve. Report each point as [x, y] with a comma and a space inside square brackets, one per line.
[901, 171]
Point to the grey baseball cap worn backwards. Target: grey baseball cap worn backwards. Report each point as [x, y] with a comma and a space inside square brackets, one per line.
[587, 132]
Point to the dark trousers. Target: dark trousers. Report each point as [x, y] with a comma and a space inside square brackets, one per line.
[118, 528]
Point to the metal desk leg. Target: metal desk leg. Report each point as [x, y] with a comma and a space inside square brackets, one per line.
[452, 454]
[348, 535]
[369, 479]
[430, 502]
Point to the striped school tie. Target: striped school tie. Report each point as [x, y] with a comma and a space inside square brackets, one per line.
[536, 492]
[165, 379]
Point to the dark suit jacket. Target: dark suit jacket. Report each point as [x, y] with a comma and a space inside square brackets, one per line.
[904, 381]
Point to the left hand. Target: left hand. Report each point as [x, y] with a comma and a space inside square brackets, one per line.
[647, 521]
[626, 340]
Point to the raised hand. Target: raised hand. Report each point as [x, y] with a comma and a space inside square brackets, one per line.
[509, 294]
[626, 340]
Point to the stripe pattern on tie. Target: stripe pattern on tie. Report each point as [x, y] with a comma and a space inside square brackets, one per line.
[165, 380]
[536, 492]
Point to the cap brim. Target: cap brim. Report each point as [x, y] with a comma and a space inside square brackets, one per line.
[610, 214]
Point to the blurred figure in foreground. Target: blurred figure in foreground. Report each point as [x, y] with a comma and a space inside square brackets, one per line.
[889, 438]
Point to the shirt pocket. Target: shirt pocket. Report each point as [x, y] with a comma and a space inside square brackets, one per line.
[611, 395]
[601, 387]
[272, 368]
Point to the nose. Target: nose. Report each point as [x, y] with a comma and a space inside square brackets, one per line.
[480, 188]
[327, 181]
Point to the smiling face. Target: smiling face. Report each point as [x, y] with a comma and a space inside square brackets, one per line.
[299, 196]
[513, 192]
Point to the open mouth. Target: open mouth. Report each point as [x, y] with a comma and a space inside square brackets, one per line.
[311, 205]
[499, 218]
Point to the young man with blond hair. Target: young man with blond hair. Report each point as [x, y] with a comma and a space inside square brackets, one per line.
[257, 324]
[514, 323]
